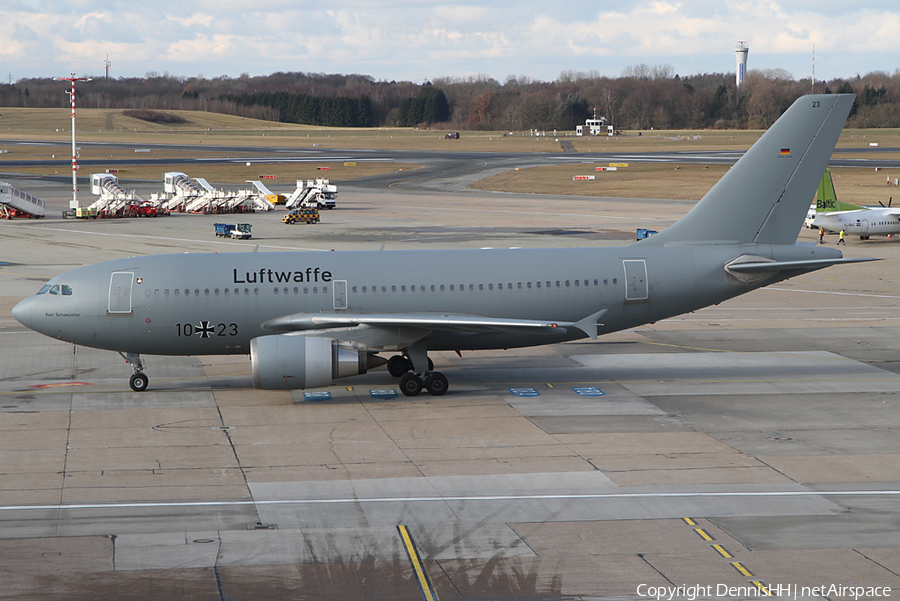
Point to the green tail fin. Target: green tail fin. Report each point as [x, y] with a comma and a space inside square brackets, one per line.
[826, 198]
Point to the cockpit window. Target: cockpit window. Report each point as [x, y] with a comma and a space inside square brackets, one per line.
[44, 289]
[55, 289]
[66, 290]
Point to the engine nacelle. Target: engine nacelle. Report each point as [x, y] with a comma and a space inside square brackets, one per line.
[287, 362]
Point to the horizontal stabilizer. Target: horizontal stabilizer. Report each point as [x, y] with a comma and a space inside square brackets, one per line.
[776, 266]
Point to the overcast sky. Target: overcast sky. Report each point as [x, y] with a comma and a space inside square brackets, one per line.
[417, 41]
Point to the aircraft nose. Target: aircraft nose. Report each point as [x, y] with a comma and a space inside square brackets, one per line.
[23, 311]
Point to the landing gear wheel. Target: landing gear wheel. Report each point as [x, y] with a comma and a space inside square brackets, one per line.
[436, 383]
[138, 382]
[398, 365]
[410, 384]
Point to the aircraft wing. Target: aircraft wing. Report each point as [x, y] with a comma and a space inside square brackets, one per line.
[428, 321]
[770, 266]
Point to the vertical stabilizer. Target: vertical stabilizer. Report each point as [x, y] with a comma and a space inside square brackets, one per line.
[765, 196]
[826, 197]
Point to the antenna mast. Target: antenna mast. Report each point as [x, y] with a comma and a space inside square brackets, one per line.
[107, 63]
[74, 202]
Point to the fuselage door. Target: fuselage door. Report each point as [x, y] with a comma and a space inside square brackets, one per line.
[636, 288]
[120, 287]
[340, 294]
[864, 226]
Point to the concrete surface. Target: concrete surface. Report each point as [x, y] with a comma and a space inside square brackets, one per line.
[770, 422]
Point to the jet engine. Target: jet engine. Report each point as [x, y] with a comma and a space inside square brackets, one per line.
[287, 362]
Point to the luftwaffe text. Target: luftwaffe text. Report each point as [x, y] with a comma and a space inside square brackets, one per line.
[272, 276]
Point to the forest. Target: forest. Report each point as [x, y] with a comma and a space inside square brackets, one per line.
[642, 98]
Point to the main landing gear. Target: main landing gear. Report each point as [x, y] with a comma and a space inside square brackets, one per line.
[139, 380]
[412, 383]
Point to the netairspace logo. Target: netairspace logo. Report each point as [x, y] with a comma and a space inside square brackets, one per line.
[790, 591]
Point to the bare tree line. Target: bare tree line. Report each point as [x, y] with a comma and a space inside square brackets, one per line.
[644, 97]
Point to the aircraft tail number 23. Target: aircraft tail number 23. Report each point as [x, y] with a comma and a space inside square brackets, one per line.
[206, 329]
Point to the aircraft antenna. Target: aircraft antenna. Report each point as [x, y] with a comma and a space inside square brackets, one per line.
[74, 203]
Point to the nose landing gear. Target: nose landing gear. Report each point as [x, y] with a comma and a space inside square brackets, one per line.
[139, 380]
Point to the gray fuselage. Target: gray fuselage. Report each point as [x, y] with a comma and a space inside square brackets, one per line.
[199, 304]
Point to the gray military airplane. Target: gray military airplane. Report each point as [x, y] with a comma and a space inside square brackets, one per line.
[308, 318]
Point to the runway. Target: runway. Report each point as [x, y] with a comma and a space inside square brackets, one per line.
[750, 445]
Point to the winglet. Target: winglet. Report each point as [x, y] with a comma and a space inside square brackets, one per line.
[589, 324]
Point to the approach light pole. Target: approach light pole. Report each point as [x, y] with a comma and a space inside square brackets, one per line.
[74, 202]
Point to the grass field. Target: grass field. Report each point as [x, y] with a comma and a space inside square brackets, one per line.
[655, 180]
[646, 181]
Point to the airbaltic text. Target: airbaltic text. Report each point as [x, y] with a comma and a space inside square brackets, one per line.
[270, 276]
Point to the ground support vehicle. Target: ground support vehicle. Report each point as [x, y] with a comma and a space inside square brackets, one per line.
[300, 215]
[241, 231]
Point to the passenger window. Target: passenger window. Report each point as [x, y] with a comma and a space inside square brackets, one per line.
[529, 284]
[393, 289]
[66, 290]
[353, 290]
[442, 287]
[538, 284]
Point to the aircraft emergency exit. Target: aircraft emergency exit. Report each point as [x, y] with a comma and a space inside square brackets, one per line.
[307, 318]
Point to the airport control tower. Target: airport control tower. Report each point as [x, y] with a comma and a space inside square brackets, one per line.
[740, 54]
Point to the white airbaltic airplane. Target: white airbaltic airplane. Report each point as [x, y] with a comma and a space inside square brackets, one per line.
[834, 215]
[306, 318]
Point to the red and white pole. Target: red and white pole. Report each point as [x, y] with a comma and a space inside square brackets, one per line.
[74, 203]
